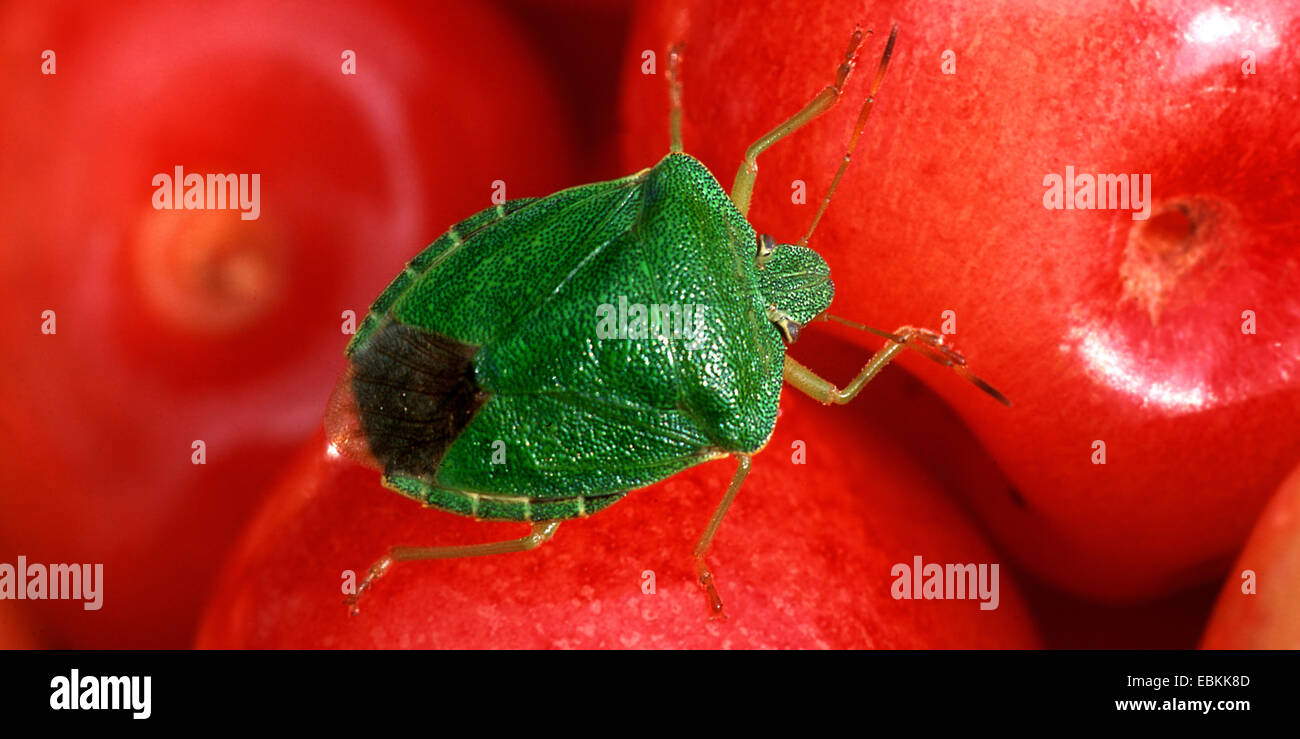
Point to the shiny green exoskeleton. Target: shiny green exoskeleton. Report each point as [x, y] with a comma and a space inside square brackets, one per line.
[574, 419]
[548, 355]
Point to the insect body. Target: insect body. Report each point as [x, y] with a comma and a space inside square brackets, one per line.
[548, 355]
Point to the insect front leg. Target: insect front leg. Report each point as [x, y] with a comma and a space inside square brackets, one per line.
[922, 340]
[541, 533]
[742, 189]
[706, 539]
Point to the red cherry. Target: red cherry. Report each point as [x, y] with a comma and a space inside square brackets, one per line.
[16, 628]
[1097, 326]
[803, 559]
[1259, 606]
[183, 325]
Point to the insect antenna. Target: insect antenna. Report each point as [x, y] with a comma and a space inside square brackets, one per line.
[857, 133]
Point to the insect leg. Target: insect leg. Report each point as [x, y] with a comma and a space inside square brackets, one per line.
[541, 533]
[706, 539]
[921, 340]
[742, 189]
[857, 133]
[675, 97]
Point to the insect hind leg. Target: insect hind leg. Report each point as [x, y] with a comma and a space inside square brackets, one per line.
[541, 533]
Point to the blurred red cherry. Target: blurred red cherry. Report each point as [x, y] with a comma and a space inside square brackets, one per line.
[178, 326]
[803, 559]
[16, 629]
[1259, 606]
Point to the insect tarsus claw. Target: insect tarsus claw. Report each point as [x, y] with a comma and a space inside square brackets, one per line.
[713, 600]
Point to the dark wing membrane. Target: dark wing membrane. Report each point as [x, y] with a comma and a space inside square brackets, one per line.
[414, 393]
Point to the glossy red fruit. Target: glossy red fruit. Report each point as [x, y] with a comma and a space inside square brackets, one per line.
[1099, 327]
[16, 629]
[1070, 622]
[177, 326]
[803, 559]
[1259, 607]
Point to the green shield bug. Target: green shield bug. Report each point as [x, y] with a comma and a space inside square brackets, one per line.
[546, 356]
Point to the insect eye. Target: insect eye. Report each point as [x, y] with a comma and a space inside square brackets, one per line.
[788, 327]
[766, 246]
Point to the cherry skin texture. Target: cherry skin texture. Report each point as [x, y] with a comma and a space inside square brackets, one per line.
[803, 559]
[1175, 340]
[180, 325]
[1270, 617]
[16, 630]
